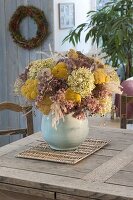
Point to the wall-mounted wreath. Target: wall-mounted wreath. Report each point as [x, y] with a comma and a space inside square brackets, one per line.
[42, 26]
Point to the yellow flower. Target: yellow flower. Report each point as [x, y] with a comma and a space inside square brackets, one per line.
[33, 95]
[100, 76]
[60, 70]
[29, 89]
[23, 90]
[45, 105]
[72, 96]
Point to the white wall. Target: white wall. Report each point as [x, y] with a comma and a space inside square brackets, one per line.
[81, 9]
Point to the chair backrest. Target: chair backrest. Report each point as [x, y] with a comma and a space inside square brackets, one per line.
[26, 110]
[126, 103]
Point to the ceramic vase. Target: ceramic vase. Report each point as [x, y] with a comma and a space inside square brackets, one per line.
[68, 134]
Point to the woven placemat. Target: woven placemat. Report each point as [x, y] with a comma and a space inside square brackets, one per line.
[42, 151]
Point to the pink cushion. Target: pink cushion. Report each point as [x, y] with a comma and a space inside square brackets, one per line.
[127, 89]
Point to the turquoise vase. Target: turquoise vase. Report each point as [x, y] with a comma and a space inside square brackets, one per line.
[68, 135]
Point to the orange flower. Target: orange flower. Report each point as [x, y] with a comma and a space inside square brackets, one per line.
[44, 106]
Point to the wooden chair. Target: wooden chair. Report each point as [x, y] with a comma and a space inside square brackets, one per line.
[124, 119]
[26, 110]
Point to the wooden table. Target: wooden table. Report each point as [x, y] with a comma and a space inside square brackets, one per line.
[106, 175]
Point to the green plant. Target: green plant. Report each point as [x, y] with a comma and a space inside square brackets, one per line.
[111, 28]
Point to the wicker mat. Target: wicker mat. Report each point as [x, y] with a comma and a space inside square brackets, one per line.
[43, 152]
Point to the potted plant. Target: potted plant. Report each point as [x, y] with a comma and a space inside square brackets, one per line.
[67, 88]
[111, 28]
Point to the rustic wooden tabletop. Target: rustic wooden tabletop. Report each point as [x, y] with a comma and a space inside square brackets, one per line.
[105, 175]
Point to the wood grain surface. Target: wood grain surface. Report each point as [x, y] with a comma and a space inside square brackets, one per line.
[106, 175]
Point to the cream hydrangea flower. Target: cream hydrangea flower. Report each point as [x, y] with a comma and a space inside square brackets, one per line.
[17, 86]
[37, 65]
[81, 81]
[112, 73]
[114, 84]
[106, 105]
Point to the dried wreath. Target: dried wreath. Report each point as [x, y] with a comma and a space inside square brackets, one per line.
[42, 26]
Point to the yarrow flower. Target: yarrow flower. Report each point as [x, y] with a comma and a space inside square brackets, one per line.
[69, 83]
[29, 89]
[101, 76]
[60, 70]
[73, 96]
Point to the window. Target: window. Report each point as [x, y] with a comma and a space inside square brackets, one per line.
[100, 3]
[66, 15]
